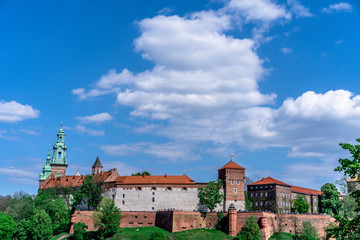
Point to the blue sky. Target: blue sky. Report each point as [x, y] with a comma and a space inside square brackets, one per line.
[174, 86]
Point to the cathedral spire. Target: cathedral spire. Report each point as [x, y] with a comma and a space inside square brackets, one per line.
[59, 158]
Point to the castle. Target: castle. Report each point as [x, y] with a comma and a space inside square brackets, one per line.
[144, 193]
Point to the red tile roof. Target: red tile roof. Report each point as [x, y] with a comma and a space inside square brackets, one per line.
[269, 180]
[76, 181]
[163, 179]
[308, 191]
[231, 165]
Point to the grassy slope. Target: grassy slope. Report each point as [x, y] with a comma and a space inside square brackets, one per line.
[145, 232]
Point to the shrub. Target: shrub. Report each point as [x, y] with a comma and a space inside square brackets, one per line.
[79, 231]
[250, 230]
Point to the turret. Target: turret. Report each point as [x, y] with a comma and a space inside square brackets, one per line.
[46, 171]
[97, 167]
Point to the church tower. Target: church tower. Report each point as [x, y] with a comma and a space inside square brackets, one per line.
[233, 177]
[97, 167]
[59, 159]
[46, 170]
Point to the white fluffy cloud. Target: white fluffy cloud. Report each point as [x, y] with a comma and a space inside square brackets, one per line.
[338, 7]
[263, 10]
[298, 9]
[96, 118]
[14, 112]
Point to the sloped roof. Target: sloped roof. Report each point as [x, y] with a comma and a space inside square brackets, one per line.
[269, 180]
[309, 191]
[163, 179]
[231, 165]
[76, 181]
[97, 163]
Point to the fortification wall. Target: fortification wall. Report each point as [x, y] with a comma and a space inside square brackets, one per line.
[175, 221]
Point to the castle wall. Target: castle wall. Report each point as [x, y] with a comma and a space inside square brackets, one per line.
[175, 221]
[160, 198]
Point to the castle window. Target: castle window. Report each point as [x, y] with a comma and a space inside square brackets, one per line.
[185, 188]
[153, 193]
[139, 188]
[251, 195]
[235, 190]
[261, 194]
[266, 203]
[314, 199]
[232, 182]
[152, 208]
[123, 202]
[123, 195]
[260, 187]
[237, 182]
[251, 187]
[169, 188]
[256, 187]
[59, 154]
[266, 186]
[271, 186]
[256, 194]
[153, 199]
[256, 203]
[261, 203]
[153, 188]
[60, 139]
[266, 194]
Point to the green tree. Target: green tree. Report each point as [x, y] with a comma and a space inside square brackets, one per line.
[79, 231]
[7, 227]
[210, 195]
[59, 214]
[144, 173]
[21, 206]
[329, 201]
[300, 205]
[308, 232]
[346, 228]
[40, 225]
[88, 193]
[250, 230]
[23, 231]
[349, 205]
[107, 218]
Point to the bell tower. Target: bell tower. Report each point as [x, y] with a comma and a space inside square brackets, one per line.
[59, 159]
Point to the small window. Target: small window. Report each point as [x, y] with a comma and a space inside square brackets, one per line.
[153, 193]
[123, 202]
[251, 187]
[266, 203]
[169, 188]
[185, 188]
[261, 194]
[145, 216]
[256, 194]
[153, 199]
[251, 195]
[123, 195]
[238, 182]
[261, 203]
[152, 208]
[256, 203]
[59, 154]
[139, 188]
[271, 186]
[235, 190]
[60, 139]
[153, 188]
[232, 181]
[266, 186]
[261, 187]
[266, 194]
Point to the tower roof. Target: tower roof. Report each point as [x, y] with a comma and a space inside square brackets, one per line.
[269, 180]
[97, 163]
[231, 165]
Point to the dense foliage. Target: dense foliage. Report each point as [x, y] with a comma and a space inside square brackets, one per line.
[210, 195]
[88, 194]
[250, 230]
[329, 201]
[107, 218]
[308, 232]
[348, 228]
[7, 227]
[80, 231]
[300, 205]
[144, 173]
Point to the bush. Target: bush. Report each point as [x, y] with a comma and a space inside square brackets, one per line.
[250, 230]
[40, 225]
[79, 231]
[282, 236]
[308, 232]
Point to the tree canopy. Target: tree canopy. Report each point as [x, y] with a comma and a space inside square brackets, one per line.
[250, 230]
[144, 173]
[210, 195]
[88, 193]
[300, 205]
[7, 227]
[348, 228]
[329, 201]
[107, 217]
